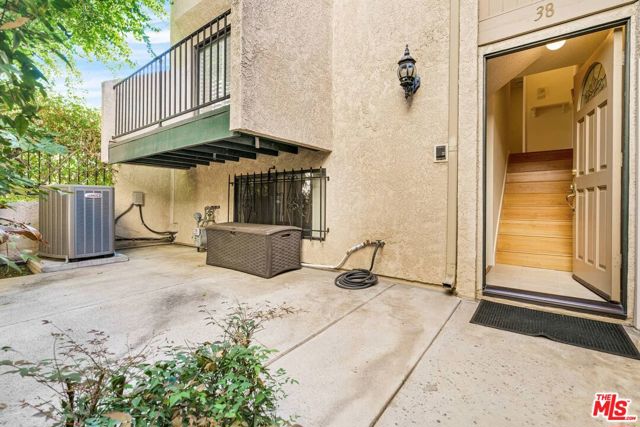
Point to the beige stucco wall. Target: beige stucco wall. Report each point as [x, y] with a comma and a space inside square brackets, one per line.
[469, 158]
[156, 184]
[383, 181]
[281, 70]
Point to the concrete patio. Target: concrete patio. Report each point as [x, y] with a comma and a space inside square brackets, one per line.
[391, 355]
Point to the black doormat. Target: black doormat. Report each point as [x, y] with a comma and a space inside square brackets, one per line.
[586, 333]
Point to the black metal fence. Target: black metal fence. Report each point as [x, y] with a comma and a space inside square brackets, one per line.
[296, 197]
[83, 168]
[191, 75]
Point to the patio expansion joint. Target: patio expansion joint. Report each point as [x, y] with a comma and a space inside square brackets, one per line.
[329, 325]
[406, 377]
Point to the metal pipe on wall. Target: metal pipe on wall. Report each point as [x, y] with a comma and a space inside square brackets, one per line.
[346, 256]
[452, 167]
[636, 313]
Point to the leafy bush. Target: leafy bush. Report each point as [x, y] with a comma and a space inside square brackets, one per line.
[213, 384]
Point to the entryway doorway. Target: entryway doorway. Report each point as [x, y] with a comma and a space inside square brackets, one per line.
[554, 188]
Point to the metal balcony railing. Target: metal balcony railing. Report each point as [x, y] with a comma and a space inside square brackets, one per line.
[191, 75]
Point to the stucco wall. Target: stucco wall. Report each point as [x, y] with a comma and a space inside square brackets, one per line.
[156, 184]
[281, 70]
[383, 181]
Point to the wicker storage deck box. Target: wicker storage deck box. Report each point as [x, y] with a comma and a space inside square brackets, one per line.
[262, 250]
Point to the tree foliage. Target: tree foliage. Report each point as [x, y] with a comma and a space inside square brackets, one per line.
[75, 127]
[36, 38]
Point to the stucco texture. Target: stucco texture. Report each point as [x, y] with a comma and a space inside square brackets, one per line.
[156, 184]
[281, 70]
[383, 181]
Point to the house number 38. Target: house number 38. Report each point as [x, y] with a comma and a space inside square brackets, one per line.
[544, 11]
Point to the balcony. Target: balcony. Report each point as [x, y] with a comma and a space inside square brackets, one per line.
[174, 111]
[190, 76]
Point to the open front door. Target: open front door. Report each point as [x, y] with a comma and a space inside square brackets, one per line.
[597, 168]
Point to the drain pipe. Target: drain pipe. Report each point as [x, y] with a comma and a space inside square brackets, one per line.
[353, 249]
[452, 167]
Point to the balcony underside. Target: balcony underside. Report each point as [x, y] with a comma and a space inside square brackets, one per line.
[200, 140]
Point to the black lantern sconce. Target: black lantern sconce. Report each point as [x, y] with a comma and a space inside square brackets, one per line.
[409, 80]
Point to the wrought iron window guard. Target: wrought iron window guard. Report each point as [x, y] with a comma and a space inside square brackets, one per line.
[295, 197]
[190, 75]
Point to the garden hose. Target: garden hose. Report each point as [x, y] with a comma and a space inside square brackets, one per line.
[360, 278]
[169, 236]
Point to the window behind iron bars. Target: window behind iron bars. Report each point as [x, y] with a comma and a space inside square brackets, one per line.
[296, 197]
[213, 67]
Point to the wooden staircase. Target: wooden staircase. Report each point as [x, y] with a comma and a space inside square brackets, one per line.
[536, 222]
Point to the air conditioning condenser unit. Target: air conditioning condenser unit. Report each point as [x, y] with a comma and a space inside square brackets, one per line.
[76, 221]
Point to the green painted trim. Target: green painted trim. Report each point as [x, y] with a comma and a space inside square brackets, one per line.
[208, 127]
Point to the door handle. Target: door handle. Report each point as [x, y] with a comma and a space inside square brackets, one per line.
[570, 197]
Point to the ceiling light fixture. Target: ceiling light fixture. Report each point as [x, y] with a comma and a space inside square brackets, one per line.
[556, 45]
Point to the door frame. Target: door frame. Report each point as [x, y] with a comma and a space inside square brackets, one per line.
[616, 310]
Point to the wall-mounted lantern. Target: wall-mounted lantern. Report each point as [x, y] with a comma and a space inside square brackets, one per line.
[409, 80]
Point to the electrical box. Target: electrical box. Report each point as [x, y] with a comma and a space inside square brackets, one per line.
[138, 198]
[441, 153]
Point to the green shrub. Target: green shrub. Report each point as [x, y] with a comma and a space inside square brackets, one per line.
[213, 384]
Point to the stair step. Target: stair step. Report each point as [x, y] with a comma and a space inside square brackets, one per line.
[545, 187]
[535, 245]
[533, 199]
[551, 262]
[547, 213]
[536, 176]
[536, 228]
[542, 165]
[536, 223]
[538, 156]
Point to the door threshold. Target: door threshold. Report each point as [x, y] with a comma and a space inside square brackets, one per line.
[582, 305]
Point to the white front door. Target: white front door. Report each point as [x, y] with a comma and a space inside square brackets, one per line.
[598, 167]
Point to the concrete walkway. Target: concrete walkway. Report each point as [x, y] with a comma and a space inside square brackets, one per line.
[389, 355]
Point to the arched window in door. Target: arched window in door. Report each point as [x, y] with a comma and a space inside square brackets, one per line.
[594, 82]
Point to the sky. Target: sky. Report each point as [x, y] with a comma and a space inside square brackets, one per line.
[94, 73]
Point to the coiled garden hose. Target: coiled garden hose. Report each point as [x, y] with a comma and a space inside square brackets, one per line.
[360, 278]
